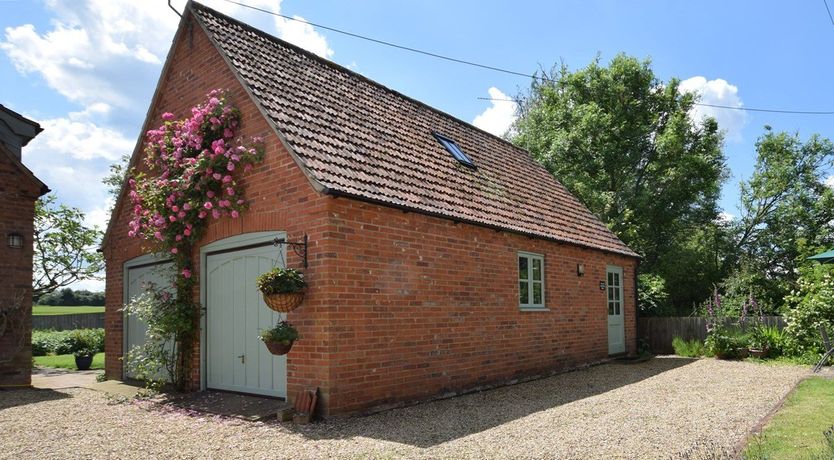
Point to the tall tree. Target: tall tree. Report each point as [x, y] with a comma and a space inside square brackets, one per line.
[624, 142]
[65, 249]
[787, 214]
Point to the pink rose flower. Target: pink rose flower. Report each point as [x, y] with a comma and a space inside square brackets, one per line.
[208, 205]
[167, 116]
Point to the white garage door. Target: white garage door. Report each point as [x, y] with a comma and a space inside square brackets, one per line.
[236, 359]
[138, 278]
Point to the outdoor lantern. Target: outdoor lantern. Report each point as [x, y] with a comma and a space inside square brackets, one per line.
[580, 269]
[15, 241]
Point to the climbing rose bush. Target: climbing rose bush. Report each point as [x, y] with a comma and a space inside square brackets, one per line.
[190, 175]
[189, 178]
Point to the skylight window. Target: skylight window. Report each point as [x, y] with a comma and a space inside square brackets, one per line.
[453, 148]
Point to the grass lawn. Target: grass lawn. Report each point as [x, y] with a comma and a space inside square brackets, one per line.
[796, 431]
[44, 310]
[67, 361]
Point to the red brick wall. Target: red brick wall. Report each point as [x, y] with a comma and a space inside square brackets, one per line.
[17, 209]
[424, 306]
[401, 306]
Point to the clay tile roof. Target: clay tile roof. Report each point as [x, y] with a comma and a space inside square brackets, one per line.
[359, 139]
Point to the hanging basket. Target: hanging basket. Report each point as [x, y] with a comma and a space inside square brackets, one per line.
[278, 348]
[285, 301]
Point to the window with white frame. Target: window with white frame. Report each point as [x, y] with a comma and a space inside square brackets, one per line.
[530, 280]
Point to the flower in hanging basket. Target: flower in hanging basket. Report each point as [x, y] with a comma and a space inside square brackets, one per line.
[283, 288]
[280, 338]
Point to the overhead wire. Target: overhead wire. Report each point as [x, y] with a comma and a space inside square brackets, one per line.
[504, 70]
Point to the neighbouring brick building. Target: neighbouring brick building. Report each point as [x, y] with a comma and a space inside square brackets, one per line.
[19, 189]
[441, 258]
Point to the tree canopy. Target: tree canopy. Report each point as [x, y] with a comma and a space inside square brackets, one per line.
[65, 248]
[625, 143]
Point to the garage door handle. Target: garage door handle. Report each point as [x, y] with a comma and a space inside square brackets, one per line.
[242, 359]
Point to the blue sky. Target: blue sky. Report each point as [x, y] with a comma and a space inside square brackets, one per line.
[86, 69]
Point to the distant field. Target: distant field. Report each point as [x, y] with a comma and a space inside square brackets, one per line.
[44, 310]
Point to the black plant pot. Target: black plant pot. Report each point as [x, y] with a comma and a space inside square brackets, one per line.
[83, 362]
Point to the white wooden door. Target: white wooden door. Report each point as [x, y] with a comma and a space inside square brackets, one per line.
[236, 359]
[616, 324]
[138, 279]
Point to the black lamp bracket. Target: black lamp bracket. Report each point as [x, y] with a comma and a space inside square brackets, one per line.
[299, 247]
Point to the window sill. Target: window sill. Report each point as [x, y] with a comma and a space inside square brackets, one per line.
[533, 309]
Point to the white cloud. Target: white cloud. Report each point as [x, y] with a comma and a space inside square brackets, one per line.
[303, 35]
[100, 50]
[76, 136]
[499, 117]
[829, 181]
[718, 92]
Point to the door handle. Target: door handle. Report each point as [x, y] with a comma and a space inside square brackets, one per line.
[242, 359]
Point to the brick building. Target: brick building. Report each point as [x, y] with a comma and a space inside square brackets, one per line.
[19, 189]
[441, 258]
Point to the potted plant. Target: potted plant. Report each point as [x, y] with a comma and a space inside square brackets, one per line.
[280, 338]
[765, 341]
[84, 358]
[282, 288]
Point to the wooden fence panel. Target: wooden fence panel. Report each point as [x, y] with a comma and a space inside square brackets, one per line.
[658, 332]
[68, 322]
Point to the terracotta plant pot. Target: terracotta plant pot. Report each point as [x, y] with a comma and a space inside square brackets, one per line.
[278, 348]
[83, 362]
[285, 301]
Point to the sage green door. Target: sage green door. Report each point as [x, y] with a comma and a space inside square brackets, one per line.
[616, 324]
[236, 359]
[139, 278]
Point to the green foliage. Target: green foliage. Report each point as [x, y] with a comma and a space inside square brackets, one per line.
[70, 298]
[811, 307]
[65, 249]
[787, 214]
[280, 280]
[726, 343]
[768, 338]
[688, 348]
[623, 142]
[283, 332]
[45, 342]
[168, 320]
[652, 296]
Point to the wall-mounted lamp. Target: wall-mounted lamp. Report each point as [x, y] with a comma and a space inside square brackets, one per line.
[580, 269]
[15, 241]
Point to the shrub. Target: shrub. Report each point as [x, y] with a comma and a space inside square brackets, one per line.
[688, 348]
[46, 342]
[770, 338]
[280, 280]
[812, 308]
[726, 343]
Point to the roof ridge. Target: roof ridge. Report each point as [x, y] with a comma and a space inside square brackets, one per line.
[342, 68]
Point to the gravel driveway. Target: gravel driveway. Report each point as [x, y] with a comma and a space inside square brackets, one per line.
[658, 409]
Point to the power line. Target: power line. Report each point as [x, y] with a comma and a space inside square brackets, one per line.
[829, 11]
[703, 104]
[392, 45]
[499, 69]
